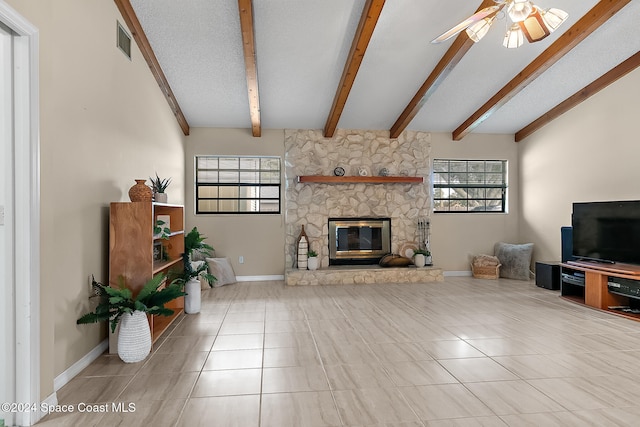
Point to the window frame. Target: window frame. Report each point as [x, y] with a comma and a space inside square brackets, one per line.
[503, 186]
[239, 184]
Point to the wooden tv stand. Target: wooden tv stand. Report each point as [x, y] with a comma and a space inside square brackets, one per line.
[596, 292]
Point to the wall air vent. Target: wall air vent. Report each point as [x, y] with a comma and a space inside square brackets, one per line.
[124, 41]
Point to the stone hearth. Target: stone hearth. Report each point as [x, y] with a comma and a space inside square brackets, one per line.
[351, 275]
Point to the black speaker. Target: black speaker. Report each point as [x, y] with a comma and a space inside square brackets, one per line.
[548, 275]
[566, 236]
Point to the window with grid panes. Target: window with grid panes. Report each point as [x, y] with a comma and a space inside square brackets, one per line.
[237, 185]
[469, 185]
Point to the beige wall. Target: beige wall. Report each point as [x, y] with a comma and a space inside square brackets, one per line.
[258, 238]
[104, 122]
[588, 154]
[455, 238]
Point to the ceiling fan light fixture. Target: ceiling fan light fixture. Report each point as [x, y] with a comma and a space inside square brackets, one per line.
[534, 27]
[553, 18]
[478, 30]
[519, 10]
[514, 37]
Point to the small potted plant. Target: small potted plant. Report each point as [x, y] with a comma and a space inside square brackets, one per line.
[420, 257]
[312, 260]
[159, 186]
[193, 270]
[117, 305]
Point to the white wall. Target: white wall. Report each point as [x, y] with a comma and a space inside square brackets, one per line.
[588, 154]
[457, 237]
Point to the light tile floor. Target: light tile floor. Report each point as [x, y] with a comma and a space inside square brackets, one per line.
[465, 352]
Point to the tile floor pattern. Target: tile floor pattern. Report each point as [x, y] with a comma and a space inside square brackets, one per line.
[465, 352]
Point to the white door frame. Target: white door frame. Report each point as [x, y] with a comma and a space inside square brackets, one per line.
[26, 211]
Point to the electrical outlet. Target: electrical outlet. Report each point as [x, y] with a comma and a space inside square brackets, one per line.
[1, 215]
[241, 259]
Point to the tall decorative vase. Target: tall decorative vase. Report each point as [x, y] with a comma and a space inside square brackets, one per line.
[134, 337]
[303, 235]
[140, 192]
[193, 297]
[303, 248]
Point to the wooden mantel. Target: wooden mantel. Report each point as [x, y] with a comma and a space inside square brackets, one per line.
[324, 179]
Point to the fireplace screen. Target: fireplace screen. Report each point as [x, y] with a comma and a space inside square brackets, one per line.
[358, 240]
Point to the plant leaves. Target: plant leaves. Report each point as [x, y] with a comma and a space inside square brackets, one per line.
[150, 287]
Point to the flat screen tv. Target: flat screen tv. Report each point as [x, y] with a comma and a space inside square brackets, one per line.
[607, 231]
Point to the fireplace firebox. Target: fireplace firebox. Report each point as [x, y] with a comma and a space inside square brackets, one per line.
[358, 241]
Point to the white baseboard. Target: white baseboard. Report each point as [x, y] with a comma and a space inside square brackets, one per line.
[77, 367]
[463, 273]
[51, 400]
[259, 278]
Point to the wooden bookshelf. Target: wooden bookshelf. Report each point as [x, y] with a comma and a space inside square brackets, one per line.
[131, 256]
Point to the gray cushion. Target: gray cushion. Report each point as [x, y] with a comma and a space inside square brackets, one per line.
[515, 260]
[221, 268]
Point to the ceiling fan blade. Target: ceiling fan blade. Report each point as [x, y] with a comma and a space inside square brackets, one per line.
[470, 20]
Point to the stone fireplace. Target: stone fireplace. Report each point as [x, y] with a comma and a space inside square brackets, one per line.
[307, 152]
[358, 241]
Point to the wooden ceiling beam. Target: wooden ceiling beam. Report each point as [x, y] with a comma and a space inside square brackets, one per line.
[583, 94]
[131, 19]
[451, 58]
[251, 68]
[368, 20]
[590, 22]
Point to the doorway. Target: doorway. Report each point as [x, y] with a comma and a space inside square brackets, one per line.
[7, 298]
[19, 218]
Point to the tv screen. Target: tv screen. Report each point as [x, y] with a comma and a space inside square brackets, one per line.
[607, 231]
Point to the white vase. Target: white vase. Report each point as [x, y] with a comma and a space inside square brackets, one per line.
[428, 260]
[134, 337]
[418, 260]
[193, 297]
[312, 263]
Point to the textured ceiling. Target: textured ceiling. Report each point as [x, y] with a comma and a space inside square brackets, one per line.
[302, 46]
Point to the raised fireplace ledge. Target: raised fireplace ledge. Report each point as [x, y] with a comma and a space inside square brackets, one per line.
[360, 275]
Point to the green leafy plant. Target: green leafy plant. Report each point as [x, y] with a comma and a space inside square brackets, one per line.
[159, 185]
[312, 253]
[159, 230]
[421, 251]
[114, 302]
[194, 241]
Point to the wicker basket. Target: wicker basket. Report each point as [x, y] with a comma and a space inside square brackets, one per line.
[491, 272]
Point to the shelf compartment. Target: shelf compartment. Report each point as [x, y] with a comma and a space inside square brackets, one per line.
[163, 265]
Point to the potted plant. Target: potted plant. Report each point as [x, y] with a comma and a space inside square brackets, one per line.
[159, 186]
[420, 257]
[312, 260]
[193, 270]
[118, 305]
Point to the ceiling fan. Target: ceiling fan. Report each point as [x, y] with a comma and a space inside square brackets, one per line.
[527, 20]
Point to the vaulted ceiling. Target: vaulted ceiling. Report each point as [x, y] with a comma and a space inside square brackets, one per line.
[369, 64]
